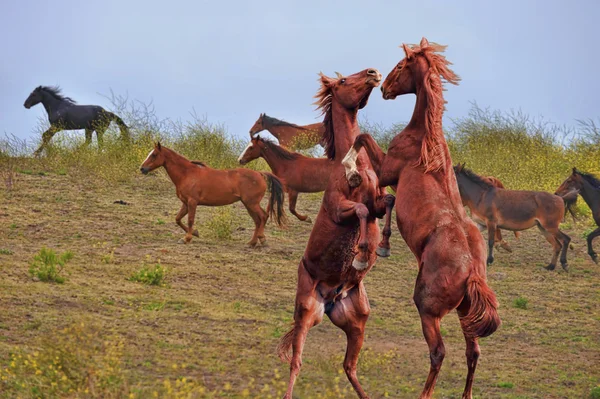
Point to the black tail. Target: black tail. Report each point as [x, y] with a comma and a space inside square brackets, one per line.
[122, 126]
[570, 199]
[276, 200]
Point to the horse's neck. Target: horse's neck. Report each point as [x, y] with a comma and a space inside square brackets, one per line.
[277, 131]
[417, 122]
[274, 162]
[175, 165]
[472, 192]
[50, 103]
[591, 195]
[345, 129]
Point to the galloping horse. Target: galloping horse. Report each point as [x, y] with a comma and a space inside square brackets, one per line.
[430, 215]
[514, 210]
[588, 186]
[197, 184]
[66, 114]
[498, 240]
[289, 134]
[342, 245]
[301, 174]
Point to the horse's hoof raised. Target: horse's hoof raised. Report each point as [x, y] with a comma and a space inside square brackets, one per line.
[181, 241]
[308, 220]
[359, 265]
[550, 267]
[506, 247]
[195, 233]
[354, 179]
[383, 252]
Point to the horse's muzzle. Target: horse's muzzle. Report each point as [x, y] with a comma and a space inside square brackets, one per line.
[27, 106]
[144, 170]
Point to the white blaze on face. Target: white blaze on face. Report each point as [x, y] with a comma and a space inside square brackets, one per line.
[150, 153]
[349, 162]
[244, 152]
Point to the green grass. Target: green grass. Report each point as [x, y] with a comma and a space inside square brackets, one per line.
[47, 266]
[150, 275]
[520, 303]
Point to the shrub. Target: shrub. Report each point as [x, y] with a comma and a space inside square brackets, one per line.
[150, 275]
[221, 224]
[47, 265]
[520, 303]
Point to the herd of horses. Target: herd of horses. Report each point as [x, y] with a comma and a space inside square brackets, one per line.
[345, 240]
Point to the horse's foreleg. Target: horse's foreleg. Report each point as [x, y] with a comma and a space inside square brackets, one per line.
[386, 201]
[565, 240]
[88, 136]
[100, 136]
[259, 216]
[351, 314]
[376, 156]
[589, 239]
[348, 209]
[46, 136]
[501, 243]
[491, 226]
[180, 215]
[293, 197]
[191, 208]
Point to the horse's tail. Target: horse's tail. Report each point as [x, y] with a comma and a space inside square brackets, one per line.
[122, 126]
[284, 346]
[482, 319]
[570, 199]
[276, 199]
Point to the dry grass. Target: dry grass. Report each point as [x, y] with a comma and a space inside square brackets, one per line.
[211, 330]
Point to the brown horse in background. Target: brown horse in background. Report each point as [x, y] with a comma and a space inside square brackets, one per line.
[342, 245]
[514, 210]
[301, 174]
[449, 249]
[498, 240]
[297, 137]
[197, 184]
[588, 186]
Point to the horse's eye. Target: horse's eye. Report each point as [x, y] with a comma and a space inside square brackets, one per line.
[343, 81]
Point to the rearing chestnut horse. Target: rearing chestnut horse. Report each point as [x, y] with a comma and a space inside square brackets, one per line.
[298, 137]
[342, 245]
[300, 173]
[588, 186]
[197, 184]
[447, 244]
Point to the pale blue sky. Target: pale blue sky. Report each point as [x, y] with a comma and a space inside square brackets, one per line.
[232, 60]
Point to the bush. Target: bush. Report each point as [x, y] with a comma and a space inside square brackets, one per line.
[221, 224]
[47, 265]
[150, 275]
[520, 303]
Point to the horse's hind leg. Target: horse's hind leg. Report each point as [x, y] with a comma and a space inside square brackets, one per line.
[46, 136]
[437, 351]
[589, 239]
[88, 136]
[100, 136]
[293, 197]
[566, 240]
[472, 352]
[387, 201]
[259, 216]
[491, 227]
[308, 312]
[556, 245]
[351, 314]
[501, 242]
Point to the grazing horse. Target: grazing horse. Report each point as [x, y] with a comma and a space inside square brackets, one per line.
[498, 240]
[298, 137]
[588, 186]
[514, 210]
[342, 245]
[449, 249]
[66, 114]
[301, 174]
[197, 184]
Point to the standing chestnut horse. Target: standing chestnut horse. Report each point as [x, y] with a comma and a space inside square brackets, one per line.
[197, 184]
[514, 210]
[430, 216]
[289, 134]
[588, 186]
[342, 246]
[300, 174]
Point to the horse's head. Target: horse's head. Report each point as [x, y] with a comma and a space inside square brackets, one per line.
[571, 186]
[413, 69]
[352, 91]
[34, 98]
[155, 159]
[258, 126]
[252, 151]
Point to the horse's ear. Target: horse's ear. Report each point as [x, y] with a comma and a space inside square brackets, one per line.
[339, 75]
[424, 43]
[326, 80]
[408, 51]
[158, 147]
[574, 170]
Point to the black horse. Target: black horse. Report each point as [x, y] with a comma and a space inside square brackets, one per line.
[66, 114]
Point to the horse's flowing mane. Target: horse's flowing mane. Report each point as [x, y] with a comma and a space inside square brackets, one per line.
[475, 178]
[278, 150]
[590, 178]
[270, 121]
[56, 92]
[324, 98]
[433, 154]
[199, 163]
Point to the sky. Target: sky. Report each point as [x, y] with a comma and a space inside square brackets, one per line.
[231, 60]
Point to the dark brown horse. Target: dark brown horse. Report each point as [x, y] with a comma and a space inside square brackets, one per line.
[514, 210]
[298, 137]
[588, 186]
[342, 246]
[197, 184]
[301, 174]
[449, 249]
[498, 240]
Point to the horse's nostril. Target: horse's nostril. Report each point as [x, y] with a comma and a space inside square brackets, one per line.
[372, 72]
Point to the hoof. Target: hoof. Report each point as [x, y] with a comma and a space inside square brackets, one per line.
[359, 265]
[383, 252]
[565, 266]
[308, 220]
[490, 260]
[354, 179]
[594, 257]
[181, 241]
[195, 233]
[506, 247]
[550, 267]
[252, 244]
